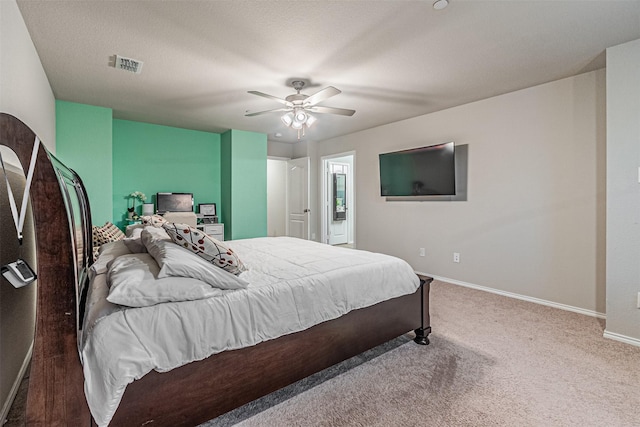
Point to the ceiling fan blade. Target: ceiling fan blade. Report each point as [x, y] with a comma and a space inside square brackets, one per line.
[331, 110]
[280, 100]
[320, 96]
[266, 112]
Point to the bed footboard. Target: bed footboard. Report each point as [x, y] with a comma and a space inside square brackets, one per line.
[203, 390]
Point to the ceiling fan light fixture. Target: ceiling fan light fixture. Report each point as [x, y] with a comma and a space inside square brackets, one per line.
[287, 119]
[310, 120]
[301, 116]
[298, 106]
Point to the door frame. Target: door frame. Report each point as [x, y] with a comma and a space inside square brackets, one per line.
[326, 195]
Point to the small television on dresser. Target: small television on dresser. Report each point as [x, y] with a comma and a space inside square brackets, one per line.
[174, 202]
[424, 171]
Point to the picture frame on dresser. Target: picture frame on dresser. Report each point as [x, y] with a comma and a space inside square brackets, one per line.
[207, 209]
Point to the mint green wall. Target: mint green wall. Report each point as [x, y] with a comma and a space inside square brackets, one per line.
[244, 171]
[117, 157]
[153, 158]
[83, 143]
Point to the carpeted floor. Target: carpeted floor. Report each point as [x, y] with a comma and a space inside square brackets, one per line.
[492, 361]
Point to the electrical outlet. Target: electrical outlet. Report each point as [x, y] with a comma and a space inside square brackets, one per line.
[456, 257]
[422, 252]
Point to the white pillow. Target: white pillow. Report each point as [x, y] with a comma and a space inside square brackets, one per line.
[133, 240]
[176, 261]
[130, 229]
[108, 252]
[155, 233]
[134, 282]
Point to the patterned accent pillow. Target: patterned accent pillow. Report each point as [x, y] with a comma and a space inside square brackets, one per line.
[154, 220]
[205, 246]
[105, 234]
[112, 231]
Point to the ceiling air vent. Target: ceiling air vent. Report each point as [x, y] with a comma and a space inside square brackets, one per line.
[128, 64]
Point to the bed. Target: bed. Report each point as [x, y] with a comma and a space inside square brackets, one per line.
[189, 394]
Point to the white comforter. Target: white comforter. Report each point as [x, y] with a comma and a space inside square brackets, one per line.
[294, 284]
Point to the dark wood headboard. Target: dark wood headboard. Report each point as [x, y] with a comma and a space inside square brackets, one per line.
[63, 248]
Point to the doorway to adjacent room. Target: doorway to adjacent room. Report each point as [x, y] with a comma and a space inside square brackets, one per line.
[338, 199]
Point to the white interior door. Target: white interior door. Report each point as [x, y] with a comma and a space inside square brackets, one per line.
[338, 229]
[298, 198]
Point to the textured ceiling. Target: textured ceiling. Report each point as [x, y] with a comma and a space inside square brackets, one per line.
[392, 59]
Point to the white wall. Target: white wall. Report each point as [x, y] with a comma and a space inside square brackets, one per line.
[534, 221]
[279, 149]
[24, 89]
[623, 191]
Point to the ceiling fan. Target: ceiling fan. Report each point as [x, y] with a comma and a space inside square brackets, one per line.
[298, 106]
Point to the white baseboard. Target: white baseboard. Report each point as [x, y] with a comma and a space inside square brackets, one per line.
[621, 338]
[566, 307]
[16, 385]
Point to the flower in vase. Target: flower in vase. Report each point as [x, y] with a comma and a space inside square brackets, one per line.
[138, 195]
[131, 211]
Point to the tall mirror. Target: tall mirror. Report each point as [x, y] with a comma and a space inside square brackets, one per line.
[339, 196]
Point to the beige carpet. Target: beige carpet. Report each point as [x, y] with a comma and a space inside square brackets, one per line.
[492, 361]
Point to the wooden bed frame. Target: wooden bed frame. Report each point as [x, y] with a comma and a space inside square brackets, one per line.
[193, 393]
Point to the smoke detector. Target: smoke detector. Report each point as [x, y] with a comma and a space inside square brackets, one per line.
[440, 4]
[128, 64]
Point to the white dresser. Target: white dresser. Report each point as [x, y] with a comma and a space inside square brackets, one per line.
[214, 230]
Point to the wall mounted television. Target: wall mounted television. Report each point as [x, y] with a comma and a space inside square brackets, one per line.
[174, 202]
[424, 171]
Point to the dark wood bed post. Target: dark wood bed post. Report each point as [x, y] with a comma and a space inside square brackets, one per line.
[56, 393]
[422, 332]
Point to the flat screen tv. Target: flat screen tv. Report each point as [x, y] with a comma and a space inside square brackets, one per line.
[174, 202]
[424, 171]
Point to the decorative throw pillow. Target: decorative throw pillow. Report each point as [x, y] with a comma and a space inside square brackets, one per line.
[154, 220]
[176, 261]
[99, 237]
[107, 233]
[205, 246]
[112, 231]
